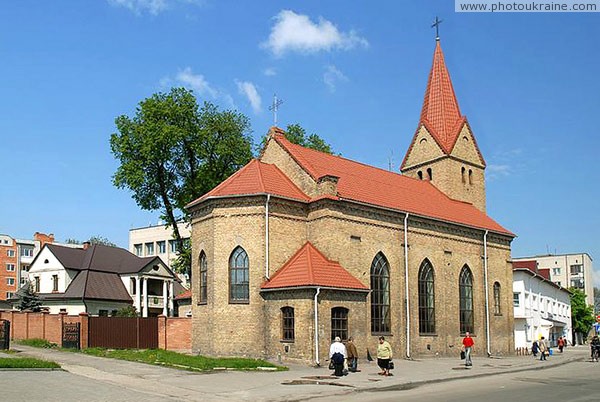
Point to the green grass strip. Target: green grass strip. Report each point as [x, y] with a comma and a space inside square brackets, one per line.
[37, 343]
[179, 360]
[25, 362]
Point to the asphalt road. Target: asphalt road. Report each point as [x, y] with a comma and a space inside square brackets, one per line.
[575, 382]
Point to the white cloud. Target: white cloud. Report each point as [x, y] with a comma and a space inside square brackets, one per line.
[141, 6]
[153, 7]
[296, 32]
[248, 89]
[270, 72]
[196, 82]
[332, 76]
[495, 171]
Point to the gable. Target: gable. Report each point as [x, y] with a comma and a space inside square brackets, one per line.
[275, 154]
[424, 148]
[157, 268]
[466, 148]
[46, 261]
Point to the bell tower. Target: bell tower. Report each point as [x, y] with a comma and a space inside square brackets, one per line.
[443, 149]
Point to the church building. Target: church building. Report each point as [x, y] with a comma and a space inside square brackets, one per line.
[300, 246]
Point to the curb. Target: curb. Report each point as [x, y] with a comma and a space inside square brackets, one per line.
[415, 384]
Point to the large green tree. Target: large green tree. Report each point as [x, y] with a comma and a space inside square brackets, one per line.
[172, 150]
[582, 314]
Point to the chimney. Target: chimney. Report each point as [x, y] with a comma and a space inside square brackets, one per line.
[327, 185]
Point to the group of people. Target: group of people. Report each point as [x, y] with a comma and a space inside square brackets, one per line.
[344, 357]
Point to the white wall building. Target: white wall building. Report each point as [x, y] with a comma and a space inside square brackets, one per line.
[568, 270]
[158, 241]
[541, 308]
[100, 280]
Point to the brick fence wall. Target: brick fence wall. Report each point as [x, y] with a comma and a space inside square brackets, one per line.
[173, 333]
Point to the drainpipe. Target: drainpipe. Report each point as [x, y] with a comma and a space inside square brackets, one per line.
[317, 328]
[406, 286]
[267, 237]
[487, 305]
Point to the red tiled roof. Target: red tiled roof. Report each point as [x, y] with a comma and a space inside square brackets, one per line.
[529, 264]
[309, 267]
[440, 113]
[184, 295]
[256, 178]
[378, 187]
[440, 110]
[545, 272]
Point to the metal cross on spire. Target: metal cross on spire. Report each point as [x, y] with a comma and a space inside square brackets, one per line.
[436, 24]
[275, 107]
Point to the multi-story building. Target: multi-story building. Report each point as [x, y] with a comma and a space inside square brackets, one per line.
[158, 241]
[541, 307]
[8, 267]
[16, 255]
[567, 270]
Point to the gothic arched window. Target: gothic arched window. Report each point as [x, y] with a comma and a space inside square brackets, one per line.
[465, 284]
[426, 299]
[202, 295]
[497, 309]
[239, 289]
[380, 294]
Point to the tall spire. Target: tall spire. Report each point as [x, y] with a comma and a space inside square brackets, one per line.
[440, 113]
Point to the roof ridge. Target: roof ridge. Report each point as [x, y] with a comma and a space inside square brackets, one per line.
[260, 174]
[311, 274]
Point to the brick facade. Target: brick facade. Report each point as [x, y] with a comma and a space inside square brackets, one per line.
[8, 267]
[351, 234]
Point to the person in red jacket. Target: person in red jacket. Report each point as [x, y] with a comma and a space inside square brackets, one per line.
[467, 345]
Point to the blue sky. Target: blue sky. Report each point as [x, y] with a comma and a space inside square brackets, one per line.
[353, 72]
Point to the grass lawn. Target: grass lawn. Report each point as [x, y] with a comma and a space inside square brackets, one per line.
[37, 343]
[179, 360]
[25, 362]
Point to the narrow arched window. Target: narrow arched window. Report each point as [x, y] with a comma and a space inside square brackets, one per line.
[287, 324]
[465, 285]
[463, 174]
[426, 299]
[420, 174]
[429, 173]
[239, 291]
[470, 176]
[339, 323]
[380, 294]
[497, 309]
[202, 294]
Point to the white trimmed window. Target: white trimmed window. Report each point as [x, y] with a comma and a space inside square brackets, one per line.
[10, 267]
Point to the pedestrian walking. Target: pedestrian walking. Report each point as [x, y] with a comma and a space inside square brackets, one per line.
[561, 344]
[535, 348]
[543, 345]
[467, 345]
[337, 354]
[384, 356]
[352, 355]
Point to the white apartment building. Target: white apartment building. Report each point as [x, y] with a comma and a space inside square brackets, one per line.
[541, 308]
[158, 241]
[568, 270]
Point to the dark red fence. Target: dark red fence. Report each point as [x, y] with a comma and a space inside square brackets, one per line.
[123, 332]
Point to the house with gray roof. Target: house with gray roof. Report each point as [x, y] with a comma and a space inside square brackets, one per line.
[100, 280]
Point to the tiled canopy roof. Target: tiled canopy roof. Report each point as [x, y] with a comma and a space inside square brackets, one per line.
[309, 267]
[256, 178]
[440, 113]
[378, 187]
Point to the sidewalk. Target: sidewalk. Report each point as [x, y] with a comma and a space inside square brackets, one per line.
[298, 384]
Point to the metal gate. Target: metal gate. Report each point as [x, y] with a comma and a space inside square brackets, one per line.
[71, 335]
[4, 334]
[123, 332]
